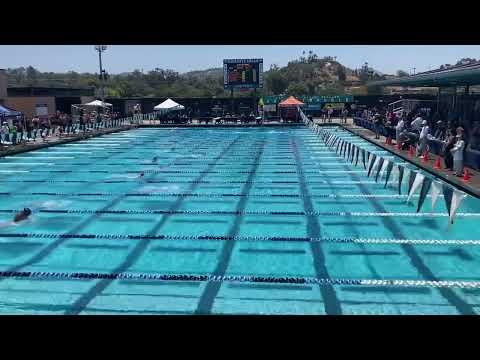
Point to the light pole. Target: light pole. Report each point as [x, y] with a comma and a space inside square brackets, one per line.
[100, 49]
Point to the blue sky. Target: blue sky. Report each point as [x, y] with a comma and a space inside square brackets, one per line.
[122, 58]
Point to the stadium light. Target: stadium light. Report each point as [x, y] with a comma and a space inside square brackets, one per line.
[100, 49]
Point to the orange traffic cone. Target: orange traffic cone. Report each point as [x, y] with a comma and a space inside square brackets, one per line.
[410, 151]
[425, 157]
[466, 175]
[437, 164]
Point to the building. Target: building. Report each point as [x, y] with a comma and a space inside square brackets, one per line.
[455, 97]
[41, 101]
[3, 85]
[45, 101]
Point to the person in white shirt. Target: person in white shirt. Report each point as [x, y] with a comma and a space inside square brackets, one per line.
[417, 123]
[399, 129]
[457, 152]
[423, 139]
[344, 115]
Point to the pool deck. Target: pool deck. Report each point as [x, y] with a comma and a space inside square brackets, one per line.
[56, 140]
[472, 186]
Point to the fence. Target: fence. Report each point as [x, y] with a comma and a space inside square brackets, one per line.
[12, 137]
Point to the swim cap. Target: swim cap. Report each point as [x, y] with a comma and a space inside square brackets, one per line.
[27, 211]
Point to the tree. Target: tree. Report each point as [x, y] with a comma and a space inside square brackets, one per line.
[401, 73]
[31, 75]
[297, 89]
[342, 76]
[275, 82]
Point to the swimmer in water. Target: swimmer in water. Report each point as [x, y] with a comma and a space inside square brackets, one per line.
[22, 215]
[142, 174]
[155, 159]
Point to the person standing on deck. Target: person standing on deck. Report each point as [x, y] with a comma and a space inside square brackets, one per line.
[416, 124]
[423, 138]
[399, 129]
[457, 152]
[344, 115]
[330, 114]
[448, 145]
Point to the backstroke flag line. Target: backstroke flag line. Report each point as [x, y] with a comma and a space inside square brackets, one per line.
[436, 190]
[401, 171]
[423, 192]
[457, 198]
[381, 161]
[389, 172]
[394, 174]
[417, 181]
[447, 196]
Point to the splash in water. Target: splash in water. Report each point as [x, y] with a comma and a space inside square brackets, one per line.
[151, 189]
[123, 176]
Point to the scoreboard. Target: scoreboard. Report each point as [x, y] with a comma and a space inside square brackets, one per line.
[242, 73]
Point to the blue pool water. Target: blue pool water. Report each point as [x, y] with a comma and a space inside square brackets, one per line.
[233, 204]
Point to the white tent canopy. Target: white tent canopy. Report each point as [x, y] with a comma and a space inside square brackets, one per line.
[98, 103]
[169, 104]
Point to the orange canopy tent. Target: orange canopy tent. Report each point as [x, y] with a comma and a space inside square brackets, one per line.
[291, 102]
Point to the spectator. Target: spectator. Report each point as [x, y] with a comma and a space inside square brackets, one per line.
[423, 139]
[377, 121]
[29, 128]
[416, 125]
[457, 152]
[448, 145]
[5, 133]
[13, 132]
[344, 115]
[399, 129]
[330, 114]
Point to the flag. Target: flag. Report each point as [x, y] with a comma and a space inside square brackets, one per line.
[423, 192]
[389, 172]
[457, 198]
[349, 150]
[417, 181]
[363, 159]
[411, 179]
[371, 164]
[379, 167]
[357, 154]
[401, 170]
[447, 195]
[338, 145]
[341, 146]
[436, 189]
[384, 167]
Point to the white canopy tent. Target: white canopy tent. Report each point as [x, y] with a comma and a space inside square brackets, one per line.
[168, 105]
[97, 103]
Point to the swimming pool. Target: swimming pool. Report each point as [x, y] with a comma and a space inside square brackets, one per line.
[225, 221]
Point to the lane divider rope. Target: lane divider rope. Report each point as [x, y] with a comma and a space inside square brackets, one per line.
[239, 278]
[345, 240]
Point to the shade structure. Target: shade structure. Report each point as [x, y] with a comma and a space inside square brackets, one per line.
[291, 102]
[97, 103]
[6, 112]
[169, 104]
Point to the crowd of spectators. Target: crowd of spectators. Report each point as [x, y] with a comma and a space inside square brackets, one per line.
[419, 129]
[21, 131]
